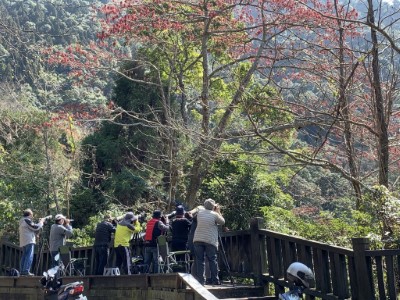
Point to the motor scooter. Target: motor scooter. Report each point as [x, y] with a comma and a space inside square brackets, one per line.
[300, 277]
[72, 291]
[55, 290]
[294, 293]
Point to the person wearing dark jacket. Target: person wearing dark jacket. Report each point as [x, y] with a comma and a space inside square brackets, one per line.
[27, 240]
[180, 228]
[102, 239]
[154, 228]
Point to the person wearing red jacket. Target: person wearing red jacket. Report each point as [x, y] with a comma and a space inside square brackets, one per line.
[154, 228]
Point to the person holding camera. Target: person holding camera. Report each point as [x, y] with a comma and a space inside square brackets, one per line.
[123, 234]
[101, 246]
[155, 227]
[205, 240]
[180, 228]
[59, 232]
[27, 240]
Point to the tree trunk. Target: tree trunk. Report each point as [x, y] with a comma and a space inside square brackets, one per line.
[51, 186]
[346, 116]
[380, 115]
[195, 180]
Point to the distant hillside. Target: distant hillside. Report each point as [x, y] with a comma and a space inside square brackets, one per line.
[28, 27]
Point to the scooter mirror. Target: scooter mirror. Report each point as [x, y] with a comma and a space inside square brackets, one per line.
[53, 271]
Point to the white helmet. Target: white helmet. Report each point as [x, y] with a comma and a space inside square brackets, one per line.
[301, 275]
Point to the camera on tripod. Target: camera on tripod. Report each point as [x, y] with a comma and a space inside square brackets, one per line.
[46, 218]
[142, 217]
[171, 215]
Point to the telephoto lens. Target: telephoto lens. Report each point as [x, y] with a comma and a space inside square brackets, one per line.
[171, 215]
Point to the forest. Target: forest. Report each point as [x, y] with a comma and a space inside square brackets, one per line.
[286, 110]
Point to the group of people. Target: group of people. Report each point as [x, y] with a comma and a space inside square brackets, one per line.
[195, 230]
[28, 229]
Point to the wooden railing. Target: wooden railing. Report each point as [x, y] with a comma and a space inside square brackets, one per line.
[340, 273]
[10, 256]
[385, 265]
[264, 255]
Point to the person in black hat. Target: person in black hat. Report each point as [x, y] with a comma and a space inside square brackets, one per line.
[180, 228]
[154, 228]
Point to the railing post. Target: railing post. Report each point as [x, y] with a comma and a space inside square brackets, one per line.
[258, 250]
[2, 250]
[362, 271]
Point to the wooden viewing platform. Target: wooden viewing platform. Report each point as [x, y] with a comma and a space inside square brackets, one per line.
[174, 286]
[256, 256]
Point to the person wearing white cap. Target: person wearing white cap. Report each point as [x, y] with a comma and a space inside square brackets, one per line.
[123, 234]
[59, 232]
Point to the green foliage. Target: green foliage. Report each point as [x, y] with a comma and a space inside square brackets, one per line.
[38, 25]
[273, 185]
[385, 209]
[241, 189]
[8, 220]
[322, 227]
[114, 156]
[128, 187]
[144, 155]
[264, 105]
[322, 189]
[84, 236]
[35, 167]
[87, 202]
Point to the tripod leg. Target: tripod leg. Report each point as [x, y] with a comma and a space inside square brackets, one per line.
[225, 260]
[38, 258]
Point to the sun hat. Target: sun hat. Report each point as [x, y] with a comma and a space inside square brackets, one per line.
[59, 217]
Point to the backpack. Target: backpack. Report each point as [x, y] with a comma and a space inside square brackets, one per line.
[12, 272]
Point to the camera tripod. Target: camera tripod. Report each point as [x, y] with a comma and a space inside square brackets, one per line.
[225, 259]
[43, 242]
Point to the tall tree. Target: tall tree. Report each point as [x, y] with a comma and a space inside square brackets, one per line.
[209, 53]
[39, 158]
[220, 59]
